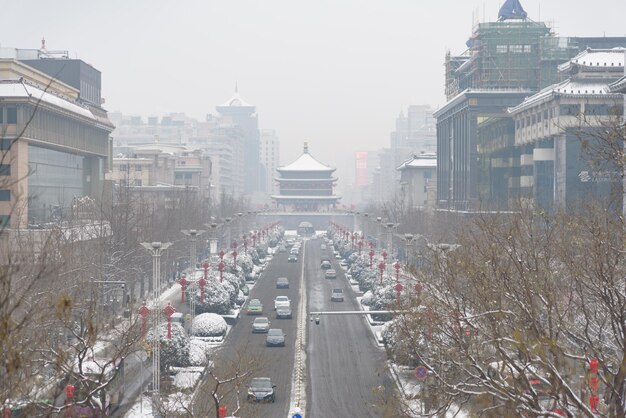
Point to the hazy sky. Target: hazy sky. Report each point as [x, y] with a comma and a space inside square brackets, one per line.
[333, 72]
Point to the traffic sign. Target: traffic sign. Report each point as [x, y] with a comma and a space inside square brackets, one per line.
[421, 373]
[296, 415]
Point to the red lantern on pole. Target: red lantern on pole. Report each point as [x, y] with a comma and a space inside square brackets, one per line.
[384, 254]
[245, 245]
[222, 412]
[183, 282]
[398, 287]
[360, 246]
[235, 260]
[222, 254]
[202, 282]
[254, 239]
[169, 311]
[397, 267]
[234, 245]
[418, 289]
[371, 254]
[381, 267]
[69, 391]
[144, 311]
[221, 266]
[353, 237]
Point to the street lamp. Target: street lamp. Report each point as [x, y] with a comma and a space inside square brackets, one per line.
[408, 238]
[381, 267]
[193, 234]
[156, 249]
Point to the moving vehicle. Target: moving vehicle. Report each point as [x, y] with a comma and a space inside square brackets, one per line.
[261, 324]
[282, 283]
[336, 295]
[261, 389]
[292, 258]
[255, 307]
[281, 301]
[331, 274]
[305, 229]
[275, 337]
[326, 265]
[283, 312]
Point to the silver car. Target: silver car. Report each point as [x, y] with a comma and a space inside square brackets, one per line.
[261, 324]
[283, 312]
[275, 337]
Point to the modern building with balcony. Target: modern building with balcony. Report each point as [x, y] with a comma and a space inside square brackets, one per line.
[306, 185]
[54, 137]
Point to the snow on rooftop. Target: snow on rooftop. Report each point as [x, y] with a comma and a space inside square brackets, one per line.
[425, 160]
[596, 58]
[306, 162]
[23, 90]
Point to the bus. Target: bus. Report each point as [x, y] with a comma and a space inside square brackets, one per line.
[305, 229]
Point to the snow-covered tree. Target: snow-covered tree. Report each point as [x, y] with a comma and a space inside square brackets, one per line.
[175, 350]
[208, 325]
[217, 297]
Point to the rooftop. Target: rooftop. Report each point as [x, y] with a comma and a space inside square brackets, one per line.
[306, 162]
[424, 160]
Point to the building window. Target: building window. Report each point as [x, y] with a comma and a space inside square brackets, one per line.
[5, 144]
[123, 167]
[528, 49]
[5, 220]
[137, 167]
[5, 169]
[596, 109]
[138, 182]
[569, 110]
[11, 115]
[516, 49]
[502, 49]
[5, 195]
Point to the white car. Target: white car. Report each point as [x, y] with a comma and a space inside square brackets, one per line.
[282, 301]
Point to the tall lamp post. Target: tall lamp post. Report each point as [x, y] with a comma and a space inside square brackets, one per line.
[193, 234]
[408, 238]
[156, 249]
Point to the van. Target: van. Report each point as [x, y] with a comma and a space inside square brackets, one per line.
[178, 318]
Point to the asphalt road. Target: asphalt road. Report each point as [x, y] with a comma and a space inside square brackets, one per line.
[243, 347]
[347, 373]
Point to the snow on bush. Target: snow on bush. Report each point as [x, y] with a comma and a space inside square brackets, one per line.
[174, 351]
[216, 298]
[241, 298]
[198, 352]
[367, 297]
[186, 379]
[208, 325]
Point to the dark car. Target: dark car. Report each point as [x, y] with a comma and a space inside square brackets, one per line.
[282, 283]
[292, 258]
[275, 337]
[261, 389]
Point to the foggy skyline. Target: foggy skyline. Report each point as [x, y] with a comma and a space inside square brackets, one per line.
[335, 74]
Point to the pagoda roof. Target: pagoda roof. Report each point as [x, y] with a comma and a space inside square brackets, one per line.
[284, 180]
[281, 197]
[306, 162]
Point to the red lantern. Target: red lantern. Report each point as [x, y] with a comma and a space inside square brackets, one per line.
[222, 411]
[183, 282]
[69, 391]
[371, 257]
[202, 282]
[381, 267]
[397, 267]
[169, 311]
[398, 287]
[144, 312]
[235, 260]
[222, 254]
[221, 266]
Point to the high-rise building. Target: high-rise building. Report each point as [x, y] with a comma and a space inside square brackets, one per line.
[244, 117]
[270, 159]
